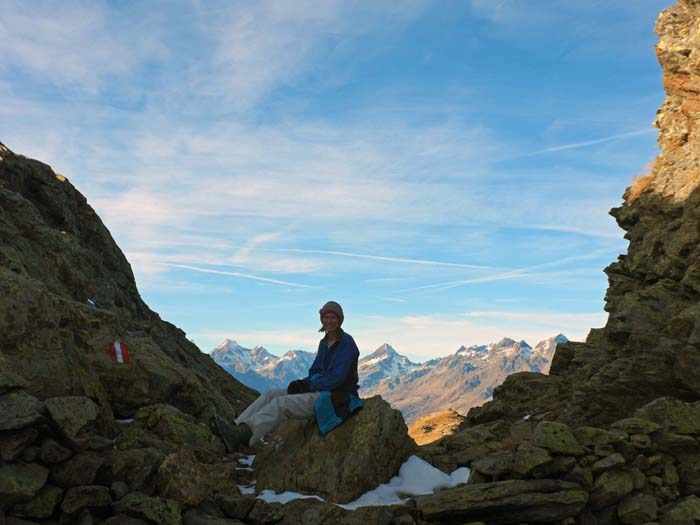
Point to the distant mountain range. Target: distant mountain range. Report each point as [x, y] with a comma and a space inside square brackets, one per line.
[258, 368]
[458, 381]
[461, 380]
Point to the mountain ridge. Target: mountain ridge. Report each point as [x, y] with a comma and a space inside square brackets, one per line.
[456, 381]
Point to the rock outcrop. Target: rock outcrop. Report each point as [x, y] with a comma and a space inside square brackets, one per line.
[67, 293]
[650, 346]
[432, 427]
[363, 452]
[634, 471]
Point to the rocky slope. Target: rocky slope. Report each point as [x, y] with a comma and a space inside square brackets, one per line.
[67, 293]
[650, 346]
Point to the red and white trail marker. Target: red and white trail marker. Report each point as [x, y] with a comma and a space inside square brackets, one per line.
[119, 352]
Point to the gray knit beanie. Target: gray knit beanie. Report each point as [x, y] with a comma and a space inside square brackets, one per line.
[334, 308]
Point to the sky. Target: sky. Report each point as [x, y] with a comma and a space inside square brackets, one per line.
[443, 169]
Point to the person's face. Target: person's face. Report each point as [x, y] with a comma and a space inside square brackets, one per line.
[330, 322]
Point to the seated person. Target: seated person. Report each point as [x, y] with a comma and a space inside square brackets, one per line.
[329, 390]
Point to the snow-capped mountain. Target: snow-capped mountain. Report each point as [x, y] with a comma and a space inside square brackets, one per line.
[464, 379]
[383, 363]
[458, 381]
[292, 365]
[259, 369]
[233, 356]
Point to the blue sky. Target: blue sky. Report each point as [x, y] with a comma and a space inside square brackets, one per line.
[442, 169]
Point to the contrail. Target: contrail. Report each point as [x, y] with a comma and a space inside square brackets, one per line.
[586, 143]
[382, 258]
[235, 274]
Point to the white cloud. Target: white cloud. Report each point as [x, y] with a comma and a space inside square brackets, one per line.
[261, 46]
[69, 44]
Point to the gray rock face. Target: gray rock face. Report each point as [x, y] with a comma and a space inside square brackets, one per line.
[610, 487]
[19, 409]
[557, 438]
[91, 496]
[11, 381]
[42, 505]
[153, 510]
[360, 454]
[20, 482]
[55, 255]
[648, 347]
[72, 414]
[516, 501]
[13, 443]
[184, 479]
[178, 428]
[673, 415]
[637, 508]
[80, 469]
[685, 512]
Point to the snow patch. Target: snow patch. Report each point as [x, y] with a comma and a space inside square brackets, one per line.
[284, 497]
[247, 489]
[416, 477]
[125, 421]
[247, 461]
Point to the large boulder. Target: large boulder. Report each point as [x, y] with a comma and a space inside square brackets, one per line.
[360, 454]
[20, 482]
[673, 415]
[184, 479]
[72, 415]
[462, 448]
[42, 505]
[177, 428]
[80, 469]
[11, 381]
[514, 501]
[684, 512]
[19, 409]
[151, 509]
[13, 443]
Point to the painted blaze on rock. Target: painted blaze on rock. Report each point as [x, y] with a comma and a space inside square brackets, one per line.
[365, 451]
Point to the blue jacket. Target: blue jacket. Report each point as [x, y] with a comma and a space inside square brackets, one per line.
[334, 374]
[335, 368]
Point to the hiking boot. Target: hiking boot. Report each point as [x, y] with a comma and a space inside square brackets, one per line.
[234, 436]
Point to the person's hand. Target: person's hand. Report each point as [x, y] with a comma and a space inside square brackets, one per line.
[298, 387]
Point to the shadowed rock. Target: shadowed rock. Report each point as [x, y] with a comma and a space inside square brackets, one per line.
[516, 501]
[649, 346]
[360, 454]
[67, 292]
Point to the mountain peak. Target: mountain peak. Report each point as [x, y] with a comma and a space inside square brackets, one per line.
[507, 343]
[383, 352]
[228, 344]
[387, 348]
